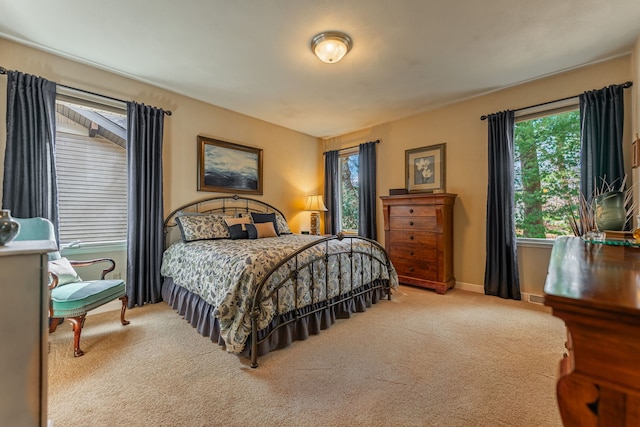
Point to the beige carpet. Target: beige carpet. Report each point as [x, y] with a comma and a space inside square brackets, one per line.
[422, 359]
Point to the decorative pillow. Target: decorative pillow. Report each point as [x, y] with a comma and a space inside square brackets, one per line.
[202, 227]
[241, 221]
[236, 231]
[260, 218]
[281, 223]
[261, 230]
[65, 272]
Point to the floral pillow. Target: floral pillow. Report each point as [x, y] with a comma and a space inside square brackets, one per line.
[202, 227]
[283, 227]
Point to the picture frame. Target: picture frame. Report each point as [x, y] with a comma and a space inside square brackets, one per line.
[227, 167]
[634, 152]
[425, 169]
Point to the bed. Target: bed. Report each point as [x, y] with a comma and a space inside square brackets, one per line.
[252, 290]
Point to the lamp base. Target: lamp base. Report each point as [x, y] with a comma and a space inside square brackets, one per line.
[315, 223]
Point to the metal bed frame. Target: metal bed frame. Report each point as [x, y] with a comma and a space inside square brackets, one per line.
[369, 249]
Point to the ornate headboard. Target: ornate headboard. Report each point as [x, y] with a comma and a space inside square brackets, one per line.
[228, 205]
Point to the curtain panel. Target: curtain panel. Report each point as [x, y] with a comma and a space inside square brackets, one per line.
[332, 192]
[367, 211]
[501, 270]
[145, 243]
[30, 187]
[601, 127]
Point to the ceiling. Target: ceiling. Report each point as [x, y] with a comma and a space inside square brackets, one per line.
[253, 57]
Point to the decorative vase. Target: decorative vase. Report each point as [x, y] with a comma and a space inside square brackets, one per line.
[8, 227]
[610, 211]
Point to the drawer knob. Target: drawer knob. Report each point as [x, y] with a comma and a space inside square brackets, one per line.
[410, 268]
[410, 237]
[410, 210]
[411, 253]
[410, 222]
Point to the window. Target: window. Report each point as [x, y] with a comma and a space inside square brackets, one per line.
[349, 191]
[91, 172]
[547, 171]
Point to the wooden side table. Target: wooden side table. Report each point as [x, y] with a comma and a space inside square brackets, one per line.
[595, 289]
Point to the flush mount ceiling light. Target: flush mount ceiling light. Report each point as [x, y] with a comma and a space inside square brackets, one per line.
[331, 46]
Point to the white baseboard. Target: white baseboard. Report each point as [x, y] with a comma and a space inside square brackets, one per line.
[526, 296]
[469, 287]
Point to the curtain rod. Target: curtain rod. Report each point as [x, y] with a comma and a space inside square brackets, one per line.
[167, 112]
[625, 85]
[377, 141]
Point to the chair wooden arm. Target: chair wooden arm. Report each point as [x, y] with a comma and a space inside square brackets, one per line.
[54, 280]
[94, 261]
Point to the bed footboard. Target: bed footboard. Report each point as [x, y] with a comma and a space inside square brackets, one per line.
[343, 266]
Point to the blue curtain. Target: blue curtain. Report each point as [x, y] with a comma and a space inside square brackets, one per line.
[30, 187]
[501, 270]
[367, 211]
[145, 241]
[601, 126]
[332, 192]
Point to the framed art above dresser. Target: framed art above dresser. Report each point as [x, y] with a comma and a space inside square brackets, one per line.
[418, 234]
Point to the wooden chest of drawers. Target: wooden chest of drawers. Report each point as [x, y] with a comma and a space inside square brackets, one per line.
[418, 234]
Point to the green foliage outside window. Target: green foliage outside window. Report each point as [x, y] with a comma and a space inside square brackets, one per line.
[349, 187]
[547, 174]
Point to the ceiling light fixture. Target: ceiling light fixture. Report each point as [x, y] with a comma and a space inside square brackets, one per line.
[331, 46]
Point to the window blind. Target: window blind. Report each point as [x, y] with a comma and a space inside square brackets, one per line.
[92, 189]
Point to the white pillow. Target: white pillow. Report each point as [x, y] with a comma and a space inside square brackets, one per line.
[65, 272]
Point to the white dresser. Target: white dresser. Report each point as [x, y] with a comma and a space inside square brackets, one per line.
[24, 332]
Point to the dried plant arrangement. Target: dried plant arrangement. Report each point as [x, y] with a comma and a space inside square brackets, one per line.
[584, 220]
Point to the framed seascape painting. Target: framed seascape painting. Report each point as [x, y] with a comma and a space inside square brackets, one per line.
[228, 168]
[425, 169]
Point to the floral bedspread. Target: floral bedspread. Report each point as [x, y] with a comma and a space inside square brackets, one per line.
[225, 273]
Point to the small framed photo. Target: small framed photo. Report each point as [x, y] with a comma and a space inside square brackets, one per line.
[228, 168]
[425, 169]
[634, 153]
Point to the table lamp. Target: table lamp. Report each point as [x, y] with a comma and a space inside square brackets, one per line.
[314, 205]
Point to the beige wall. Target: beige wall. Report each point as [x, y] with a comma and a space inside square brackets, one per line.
[459, 126]
[292, 160]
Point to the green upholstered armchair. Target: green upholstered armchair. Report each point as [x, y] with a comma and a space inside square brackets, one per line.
[70, 296]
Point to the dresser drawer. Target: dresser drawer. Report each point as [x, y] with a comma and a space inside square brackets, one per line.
[422, 270]
[413, 238]
[413, 223]
[412, 210]
[418, 234]
[413, 253]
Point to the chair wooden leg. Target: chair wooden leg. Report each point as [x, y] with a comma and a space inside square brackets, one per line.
[125, 301]
[77, 323]
[53, 324]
